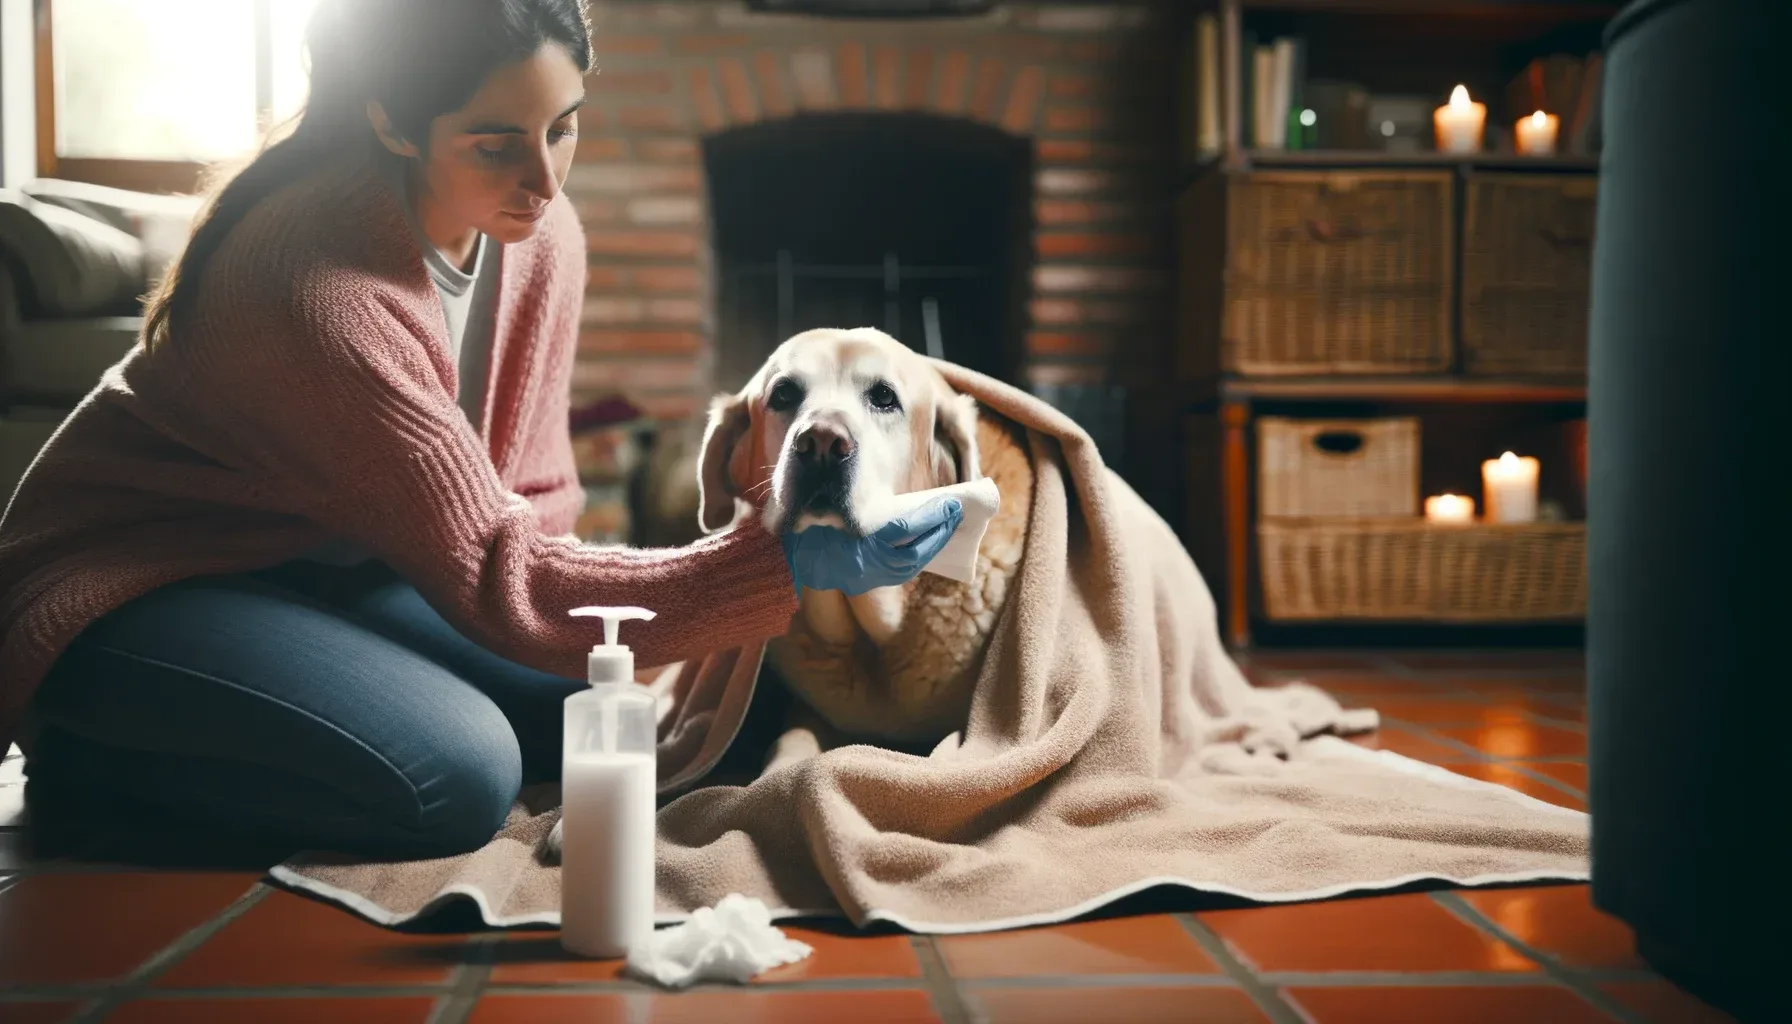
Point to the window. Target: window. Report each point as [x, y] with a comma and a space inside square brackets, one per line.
[144, 93]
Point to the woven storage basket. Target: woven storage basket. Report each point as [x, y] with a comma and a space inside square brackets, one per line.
[1527, 256]
[1303, 470]
[1338, 272]
[1411, 571]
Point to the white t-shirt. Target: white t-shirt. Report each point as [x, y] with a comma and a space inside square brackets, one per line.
[467, 304]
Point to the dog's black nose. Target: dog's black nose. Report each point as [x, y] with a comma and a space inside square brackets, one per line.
[823, 444]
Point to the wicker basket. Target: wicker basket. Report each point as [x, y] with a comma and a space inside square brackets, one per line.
[1337, 467]
[1526, 269]
[1338, 272]
[1411, 571]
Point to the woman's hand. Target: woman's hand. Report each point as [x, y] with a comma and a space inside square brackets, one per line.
[824, 558]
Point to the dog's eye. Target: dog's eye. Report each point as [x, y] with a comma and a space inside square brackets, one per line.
[882, 396]
[786, 395]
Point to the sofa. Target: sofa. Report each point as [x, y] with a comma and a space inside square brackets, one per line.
[75, 262]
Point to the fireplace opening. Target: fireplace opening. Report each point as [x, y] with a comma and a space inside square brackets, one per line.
[914, 224]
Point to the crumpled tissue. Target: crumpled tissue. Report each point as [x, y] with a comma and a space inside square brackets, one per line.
[733, 941]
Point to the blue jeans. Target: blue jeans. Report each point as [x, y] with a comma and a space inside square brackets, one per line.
[331, 708]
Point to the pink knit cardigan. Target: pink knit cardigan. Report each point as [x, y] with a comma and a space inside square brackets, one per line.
[312, 396]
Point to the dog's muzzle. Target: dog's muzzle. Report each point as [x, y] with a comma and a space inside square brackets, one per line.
[821, 458]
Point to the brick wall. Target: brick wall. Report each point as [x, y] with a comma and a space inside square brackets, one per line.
[1090, 85]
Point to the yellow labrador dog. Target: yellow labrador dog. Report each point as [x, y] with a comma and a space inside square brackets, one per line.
[834, 425]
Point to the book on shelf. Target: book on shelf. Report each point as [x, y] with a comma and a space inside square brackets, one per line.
[1202, 133]
[1263, 91]
[1281, 92]
[1247, 92]
[1275, 87]
[1584, 137]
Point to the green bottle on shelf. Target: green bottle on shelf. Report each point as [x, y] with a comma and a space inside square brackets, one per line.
[1303, 127]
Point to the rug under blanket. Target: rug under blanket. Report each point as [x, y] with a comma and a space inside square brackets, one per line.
[1112, 746]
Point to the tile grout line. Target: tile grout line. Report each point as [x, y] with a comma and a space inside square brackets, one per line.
[1523, 769]
[139, 980]
[1531, 717]
[1481, 756]
[1554, 970]
[1064, 981]
[1486, 704]
[949, 1000]
[1262, 993]
[1428, 735]
[1467, 698]
[1387, 663]
[1564, 724]
[467, 985]
[1427, 979]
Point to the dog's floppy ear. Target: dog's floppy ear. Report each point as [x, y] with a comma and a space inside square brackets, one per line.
[955, 440]
[729, 419]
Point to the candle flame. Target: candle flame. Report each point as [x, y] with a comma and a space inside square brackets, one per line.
[1459, 97]
[1508, 459]
[1539, 119]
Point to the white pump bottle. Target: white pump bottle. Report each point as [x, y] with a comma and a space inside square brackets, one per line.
[607, 801]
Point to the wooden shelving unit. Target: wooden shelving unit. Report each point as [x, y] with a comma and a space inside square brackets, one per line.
[1373, 158]
[1482, 42]
[1449, 388]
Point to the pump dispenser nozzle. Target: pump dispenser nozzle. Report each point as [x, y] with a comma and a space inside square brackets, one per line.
[611, 663]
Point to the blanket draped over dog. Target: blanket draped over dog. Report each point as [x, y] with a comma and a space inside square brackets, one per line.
[1112, 746]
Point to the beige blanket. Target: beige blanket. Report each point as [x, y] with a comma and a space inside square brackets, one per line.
[1112, 746]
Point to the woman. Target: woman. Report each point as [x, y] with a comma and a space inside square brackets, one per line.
[300, 563]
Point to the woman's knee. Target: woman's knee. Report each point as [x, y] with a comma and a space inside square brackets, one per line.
[471, 784]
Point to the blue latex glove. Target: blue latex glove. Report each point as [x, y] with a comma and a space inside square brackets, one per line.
[824, 558]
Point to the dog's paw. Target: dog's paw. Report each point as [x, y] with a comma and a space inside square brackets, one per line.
[550, 847]
[797, 744]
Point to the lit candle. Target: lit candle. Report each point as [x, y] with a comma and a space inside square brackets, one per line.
[1449, 508]
[1536, 134]
[1459, 123]
[1510, 483]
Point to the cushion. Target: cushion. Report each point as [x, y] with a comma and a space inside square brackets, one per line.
[161, 223]
[22, 433]
[69, 263]
[61, 360]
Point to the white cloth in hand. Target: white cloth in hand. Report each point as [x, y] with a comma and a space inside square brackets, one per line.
[958, 559]
[733, 941]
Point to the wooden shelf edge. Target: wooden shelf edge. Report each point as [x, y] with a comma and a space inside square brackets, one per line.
[1410, 389]
[1418, 523]
[1336, 158]
[1371, 621]
[1568, 10]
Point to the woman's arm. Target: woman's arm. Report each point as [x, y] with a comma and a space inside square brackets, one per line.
[328, 393]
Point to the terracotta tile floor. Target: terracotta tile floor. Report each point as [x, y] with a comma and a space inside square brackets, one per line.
[95, 935]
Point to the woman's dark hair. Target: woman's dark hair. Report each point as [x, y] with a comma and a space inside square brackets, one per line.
[419, 59]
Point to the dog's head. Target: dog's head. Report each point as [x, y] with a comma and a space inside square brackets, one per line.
[834, 424]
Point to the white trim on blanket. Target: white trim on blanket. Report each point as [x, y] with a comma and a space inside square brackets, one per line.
[1326, 745]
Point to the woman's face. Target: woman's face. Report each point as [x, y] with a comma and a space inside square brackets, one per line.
[494, 165]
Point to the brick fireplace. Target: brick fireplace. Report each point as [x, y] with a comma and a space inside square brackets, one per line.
[1023, 164]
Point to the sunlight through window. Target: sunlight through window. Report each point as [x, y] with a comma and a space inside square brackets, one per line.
[170, 79]
[287, 20]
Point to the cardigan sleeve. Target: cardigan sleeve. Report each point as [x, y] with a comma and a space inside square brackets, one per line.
[332, 395]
